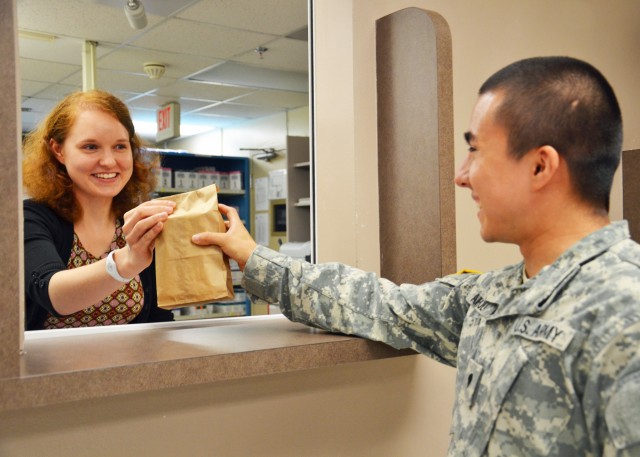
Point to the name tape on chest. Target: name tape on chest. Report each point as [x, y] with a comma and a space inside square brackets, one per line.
[484, 307]
[555, 334]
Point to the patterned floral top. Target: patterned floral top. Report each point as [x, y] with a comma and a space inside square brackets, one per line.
[121, 307]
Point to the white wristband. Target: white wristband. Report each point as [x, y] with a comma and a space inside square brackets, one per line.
[112, 269]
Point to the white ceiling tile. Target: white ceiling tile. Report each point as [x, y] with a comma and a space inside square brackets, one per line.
[61, 50]
[39, 105]
[114, 81]
[248, 111]
[282, 54]
[200, 91]
[278, 17]
[57, 92]
[157, 7]
[178, 65]
[183, 36]
[78, 18]
[39, 70]
[153, 102]
[282, 99]
[254, 77]
[31, 88]
[188, 36]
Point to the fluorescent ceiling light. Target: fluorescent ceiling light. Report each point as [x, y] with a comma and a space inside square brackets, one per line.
[238, 74]
[36, 35]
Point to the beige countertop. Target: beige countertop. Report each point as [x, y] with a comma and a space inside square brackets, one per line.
[75, 364]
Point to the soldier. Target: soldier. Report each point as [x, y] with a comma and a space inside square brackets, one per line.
[546, 350]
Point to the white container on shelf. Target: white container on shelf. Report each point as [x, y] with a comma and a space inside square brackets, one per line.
[214, 178]
[235, 180]
[205, 178]
[180, 179]
[223, 180]
[165, 181]
[192, 180]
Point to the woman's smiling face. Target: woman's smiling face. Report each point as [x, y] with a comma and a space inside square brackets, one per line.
[97, 155]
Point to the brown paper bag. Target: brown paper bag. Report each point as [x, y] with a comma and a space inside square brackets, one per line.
[187, 274]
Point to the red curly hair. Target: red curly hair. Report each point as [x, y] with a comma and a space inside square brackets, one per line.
[46, 180]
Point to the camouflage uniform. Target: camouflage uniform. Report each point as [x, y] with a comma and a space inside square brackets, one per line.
[548, 366]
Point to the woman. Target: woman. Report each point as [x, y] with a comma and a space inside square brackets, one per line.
[88, 254]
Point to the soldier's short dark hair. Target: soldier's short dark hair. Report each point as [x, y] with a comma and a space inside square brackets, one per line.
[568, 104]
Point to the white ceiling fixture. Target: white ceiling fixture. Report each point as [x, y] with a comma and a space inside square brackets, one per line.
[134, 10]
[154, 70]
[260, 50]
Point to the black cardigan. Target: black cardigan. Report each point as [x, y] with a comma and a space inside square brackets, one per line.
[48, 239]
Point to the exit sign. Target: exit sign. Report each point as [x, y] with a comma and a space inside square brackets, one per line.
[168, 118]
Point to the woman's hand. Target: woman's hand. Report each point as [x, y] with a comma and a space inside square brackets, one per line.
[236, 242]
[142, 225]
[73, 290]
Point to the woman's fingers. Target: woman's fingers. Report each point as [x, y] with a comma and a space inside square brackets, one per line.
[152, 224]
[141, 242]
[146, 210]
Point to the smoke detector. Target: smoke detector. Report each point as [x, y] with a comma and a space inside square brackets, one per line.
[154, 70]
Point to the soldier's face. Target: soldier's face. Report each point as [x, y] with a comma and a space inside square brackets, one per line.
[496, 179]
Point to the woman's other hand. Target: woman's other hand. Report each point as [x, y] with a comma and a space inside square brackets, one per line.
[142, 225]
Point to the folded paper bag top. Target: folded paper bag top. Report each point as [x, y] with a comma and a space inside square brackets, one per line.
[187, 274]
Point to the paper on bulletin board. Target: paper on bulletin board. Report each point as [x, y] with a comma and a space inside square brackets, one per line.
[261, 189]
[262, 228]
[277, 184]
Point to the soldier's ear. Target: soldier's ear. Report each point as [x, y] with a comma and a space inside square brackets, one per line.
[545, 162]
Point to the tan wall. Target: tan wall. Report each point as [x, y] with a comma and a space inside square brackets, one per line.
[486, 36]
[392, 407]
[365, 409]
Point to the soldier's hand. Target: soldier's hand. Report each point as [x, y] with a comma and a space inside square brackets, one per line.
[236, 242]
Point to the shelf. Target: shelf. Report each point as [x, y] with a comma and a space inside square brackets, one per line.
[298, 189]
[237, 196]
